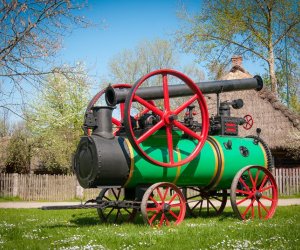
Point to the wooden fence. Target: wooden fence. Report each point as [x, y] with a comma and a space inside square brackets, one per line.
[66, 187]
[288, 180]
[44, 187]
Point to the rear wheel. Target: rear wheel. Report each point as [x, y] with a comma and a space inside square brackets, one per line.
[254, 193]
[201, 203]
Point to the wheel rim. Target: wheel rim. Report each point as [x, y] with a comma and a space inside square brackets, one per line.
[163, 204]
[167, 119]
[114, 214]
[254, 193]
[209, 203]
[249, 122]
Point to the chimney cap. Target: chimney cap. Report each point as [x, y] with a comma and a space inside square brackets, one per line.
[236, 56]
[237, 60]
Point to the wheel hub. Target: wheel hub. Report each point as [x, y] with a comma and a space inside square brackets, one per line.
[169, 117]
[166, 208]
[257, 195]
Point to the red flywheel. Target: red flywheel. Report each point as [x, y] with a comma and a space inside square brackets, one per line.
[168, 118]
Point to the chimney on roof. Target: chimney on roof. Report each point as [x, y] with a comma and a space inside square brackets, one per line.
[237, 61]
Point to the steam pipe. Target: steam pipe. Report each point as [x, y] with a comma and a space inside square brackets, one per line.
[115, 96]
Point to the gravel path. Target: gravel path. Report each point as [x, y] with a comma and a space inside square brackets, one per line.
[24, 204]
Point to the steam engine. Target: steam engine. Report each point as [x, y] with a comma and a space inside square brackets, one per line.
[164, 161]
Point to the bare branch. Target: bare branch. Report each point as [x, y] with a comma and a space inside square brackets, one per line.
[219, 38]
[30, 36]
[284, 34]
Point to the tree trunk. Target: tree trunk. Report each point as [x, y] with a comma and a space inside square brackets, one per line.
[271, 60]
[273, 79]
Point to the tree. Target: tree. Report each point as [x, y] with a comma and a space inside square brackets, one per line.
[129, 66]
[4, 123]
[55, 119]
[287, 84]
[18, 156]
[257, 29]
[31, 33]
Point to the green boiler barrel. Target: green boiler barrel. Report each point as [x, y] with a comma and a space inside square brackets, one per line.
[214, 168]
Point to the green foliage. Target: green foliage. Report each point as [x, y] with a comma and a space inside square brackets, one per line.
[9, 198]
[295, 103]
[18, 152]
[81, 229]
[292, 78]
[55, 119]
[128, 66]
[4, 123]
[258, 30]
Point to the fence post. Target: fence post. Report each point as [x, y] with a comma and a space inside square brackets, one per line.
[15, 187]
[78, 191]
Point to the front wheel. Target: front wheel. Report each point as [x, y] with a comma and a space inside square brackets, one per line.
[254, 193]
[163, 204]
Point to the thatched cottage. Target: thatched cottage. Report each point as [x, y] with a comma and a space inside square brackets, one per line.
[280, 127]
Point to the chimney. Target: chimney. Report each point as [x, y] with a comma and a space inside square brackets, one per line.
[237, 61]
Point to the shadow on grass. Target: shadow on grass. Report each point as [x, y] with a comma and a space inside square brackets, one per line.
[210, 215]
[84, 220]
[87, 219]
[227, 215]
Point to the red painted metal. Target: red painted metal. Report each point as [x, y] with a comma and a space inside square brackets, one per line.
[163, 204]
[249, 122]
[258, 191]
[145, 111]
[168, 117]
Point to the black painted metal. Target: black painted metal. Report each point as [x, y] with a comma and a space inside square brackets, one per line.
[257, 139]
[103, 124]
[99, 204]
[101, 161]
[115, 96]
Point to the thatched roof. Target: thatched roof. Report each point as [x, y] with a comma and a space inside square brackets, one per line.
[280, 126]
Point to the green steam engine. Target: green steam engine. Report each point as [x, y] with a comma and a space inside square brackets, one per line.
[165, 157]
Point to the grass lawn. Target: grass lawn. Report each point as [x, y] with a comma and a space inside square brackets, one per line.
[81, 229]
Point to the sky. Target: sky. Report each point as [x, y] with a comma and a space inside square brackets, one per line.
[123, 24]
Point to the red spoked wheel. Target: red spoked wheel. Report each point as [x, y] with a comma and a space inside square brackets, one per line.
[115, 121]
[254, 193]
[168, 118]
[163, 204]
[249, 122]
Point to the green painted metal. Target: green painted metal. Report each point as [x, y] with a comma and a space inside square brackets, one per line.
[233, 160]
[215, 167]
